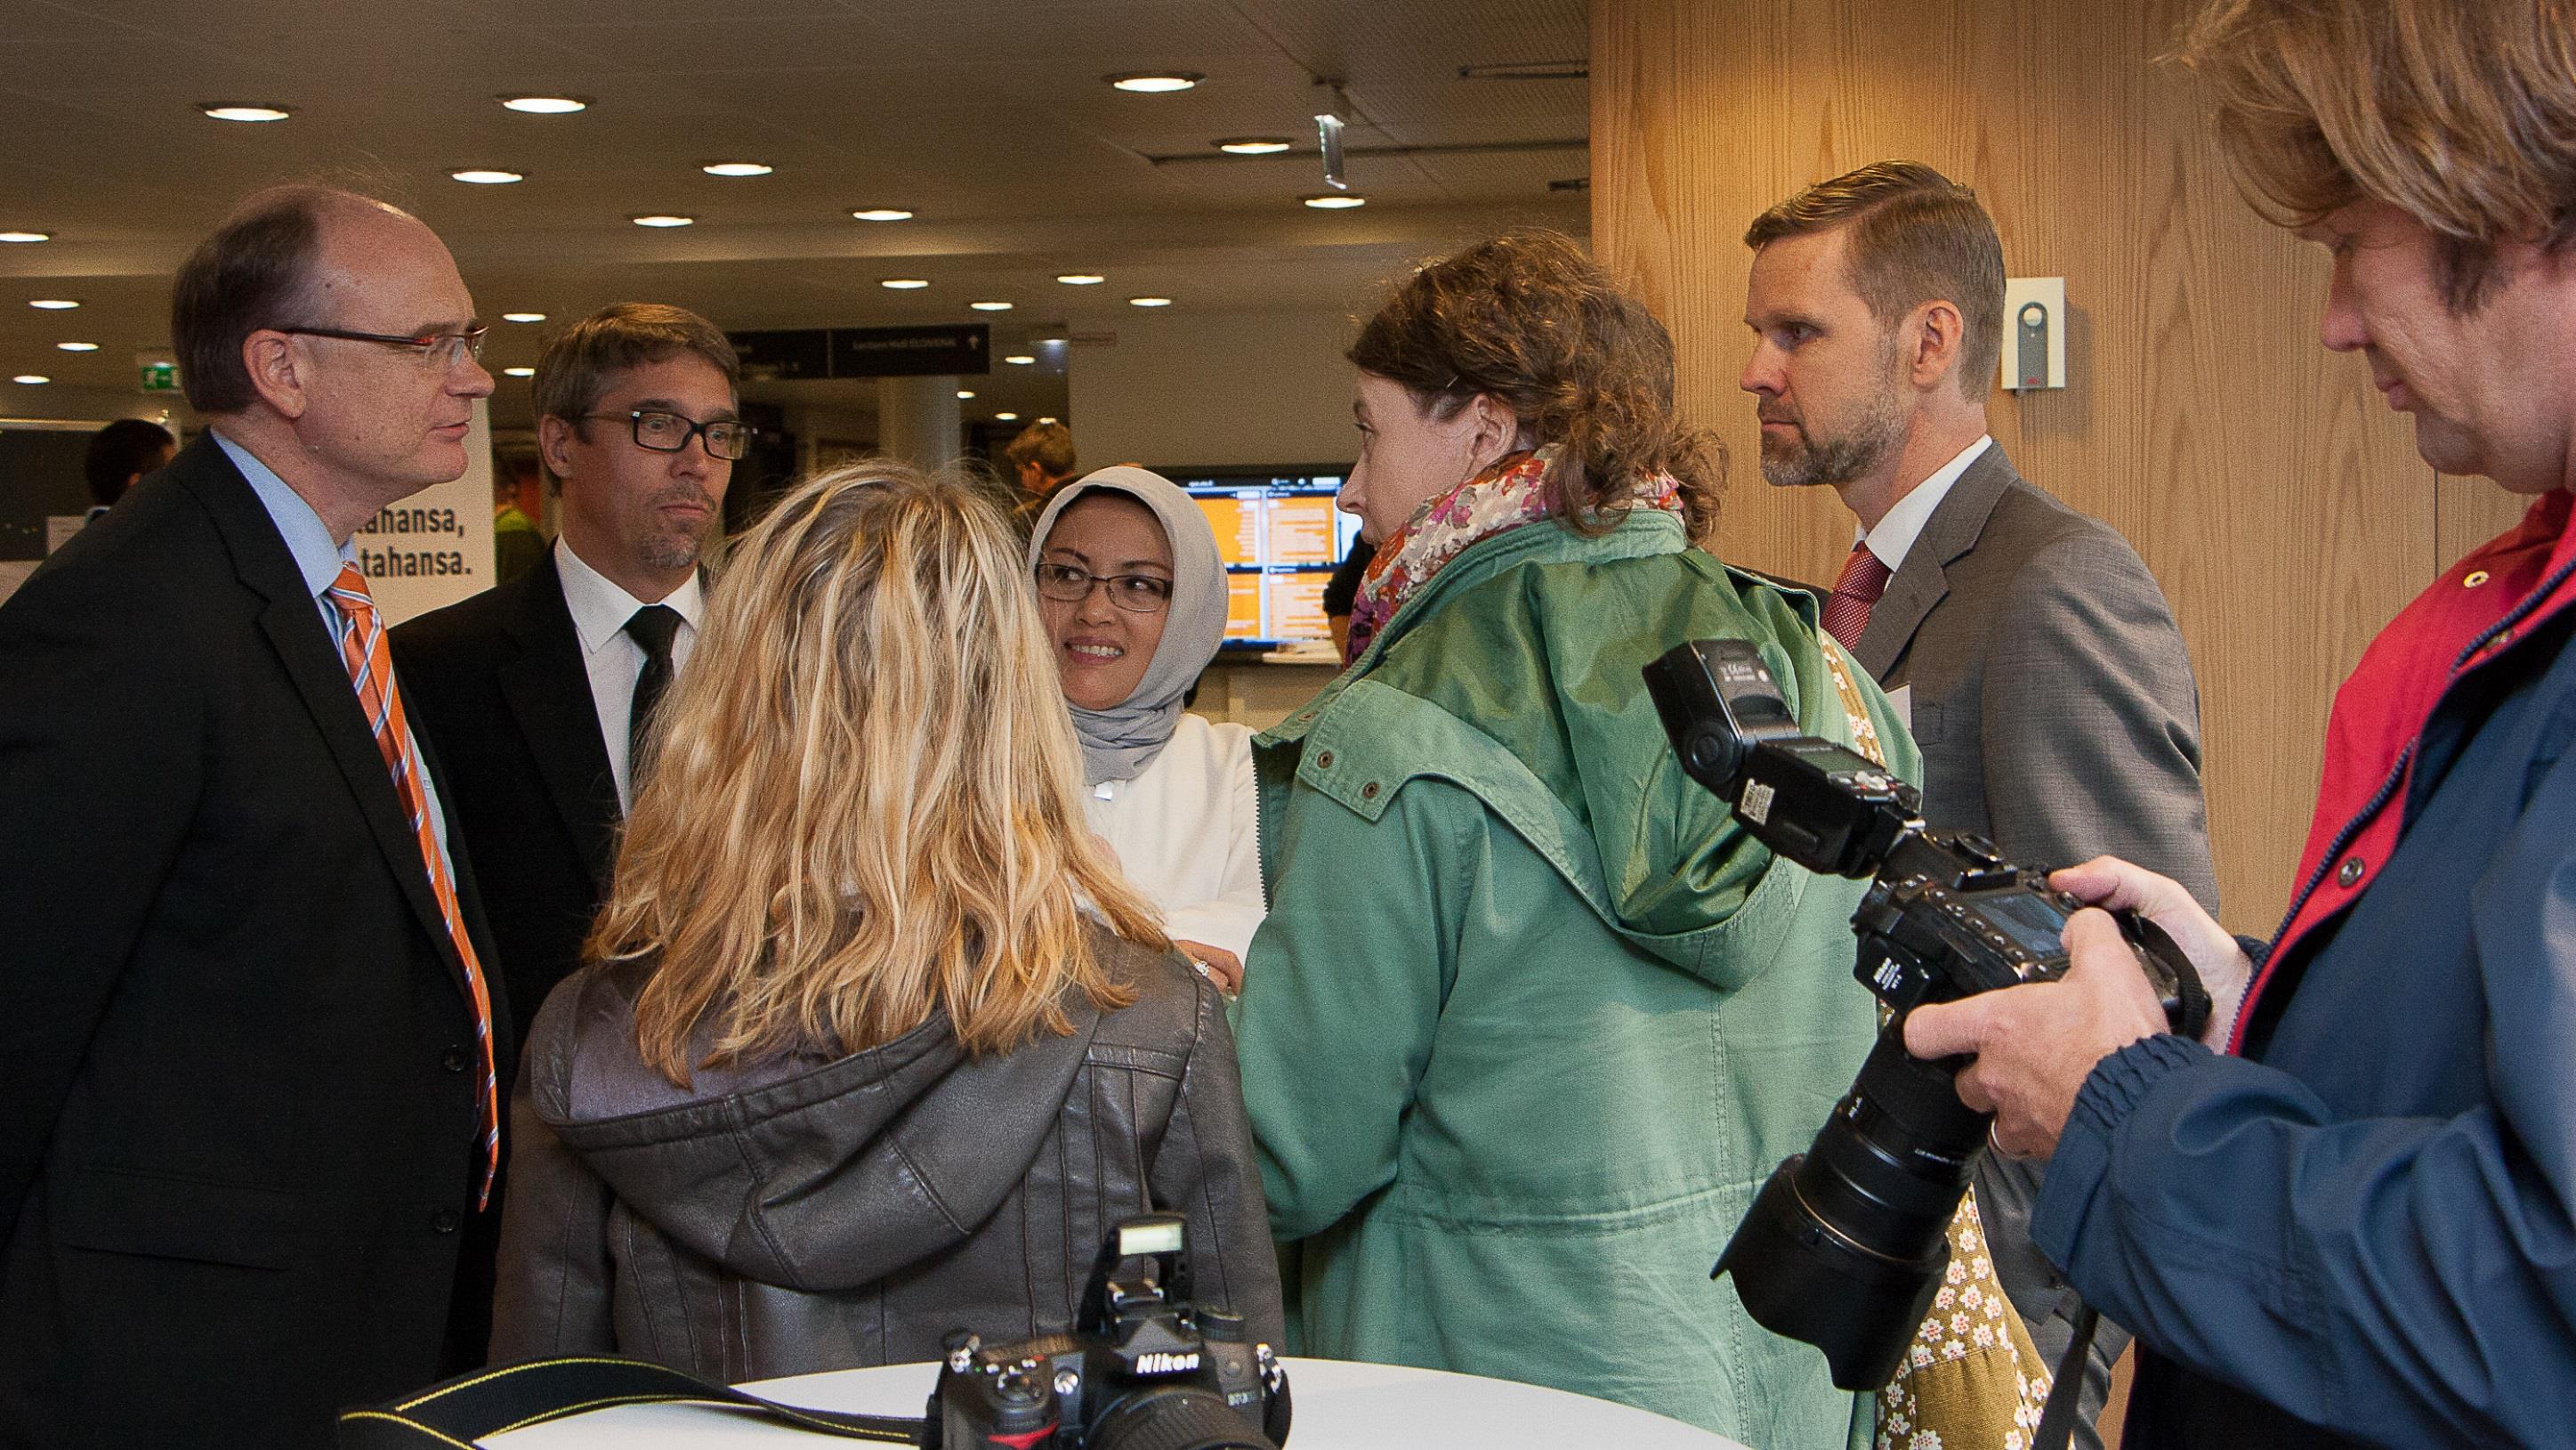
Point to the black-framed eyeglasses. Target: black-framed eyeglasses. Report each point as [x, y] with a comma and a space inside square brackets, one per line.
[440, 350]
[1135, 593]
[726, 438]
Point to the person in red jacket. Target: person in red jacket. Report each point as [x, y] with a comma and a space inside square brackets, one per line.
[2351, 1217]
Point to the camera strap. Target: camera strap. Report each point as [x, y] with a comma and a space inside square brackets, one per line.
[456, 1415]
[2057, 1420]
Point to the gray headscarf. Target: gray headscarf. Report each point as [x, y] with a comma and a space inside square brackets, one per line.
[1119, 742]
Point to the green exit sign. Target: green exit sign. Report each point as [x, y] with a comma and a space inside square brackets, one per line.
[160, 376]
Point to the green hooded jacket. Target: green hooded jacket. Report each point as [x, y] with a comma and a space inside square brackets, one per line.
[1531, 1018]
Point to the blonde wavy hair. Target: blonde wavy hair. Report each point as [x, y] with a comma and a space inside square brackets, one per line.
[2460, 113]
[864, 800]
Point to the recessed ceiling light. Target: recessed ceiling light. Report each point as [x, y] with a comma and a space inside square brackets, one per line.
[77, 346]
[883, 214]
[1149, 301]
[990, 306]
[1019, 359]
[1253, 145]
[1155, 83]
[54, 304]
[523, 317]
[26, 236]
[545, 105]
[486, 176]
[965, 393]
[1006, 417]
[1046, 420]
[31, 379]
[228, 111]
[736, 168]
[663, 219]
[518, 372]
[904, 284]
[1081, 279]
[1335, 201]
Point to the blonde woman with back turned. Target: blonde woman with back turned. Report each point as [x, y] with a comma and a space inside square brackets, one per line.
[876, 1043]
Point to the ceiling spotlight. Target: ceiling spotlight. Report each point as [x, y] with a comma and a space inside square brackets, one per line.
[1081, 279]
[545, 105]
[1156, 83]
[663, 219]
[518, 372]
[1019, 360]
[31, 379]
[54, 304]
[77, 346]
[486, 176]
[1253, 145]
[1335, 201]
[990, 306]
[224, 111]
[26, 236]
[523, 317]
[883, 214]
[1046, 420]
[1149, 301]
[736, 168]
[1006, 417]
[904, 284]
[965, 393]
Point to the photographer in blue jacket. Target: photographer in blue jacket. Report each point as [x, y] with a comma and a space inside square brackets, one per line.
[2351, 1218]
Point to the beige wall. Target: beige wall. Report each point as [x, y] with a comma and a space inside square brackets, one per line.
[1181, 388]
[2281, 505]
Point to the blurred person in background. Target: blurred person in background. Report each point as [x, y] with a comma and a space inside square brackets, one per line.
[118, 457]
[861, 1063]
[1133, 592]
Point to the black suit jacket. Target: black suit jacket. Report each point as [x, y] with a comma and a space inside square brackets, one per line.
[238, 1136]
[499, 683]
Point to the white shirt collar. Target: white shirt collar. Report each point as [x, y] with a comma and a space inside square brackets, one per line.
[600, 608]
[1894, 537]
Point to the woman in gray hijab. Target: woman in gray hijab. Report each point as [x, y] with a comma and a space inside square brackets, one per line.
[1133, 593]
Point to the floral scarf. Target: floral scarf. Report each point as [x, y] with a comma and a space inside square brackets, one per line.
[1498, 500]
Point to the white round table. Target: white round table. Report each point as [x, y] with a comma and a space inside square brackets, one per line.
[1340, 1405]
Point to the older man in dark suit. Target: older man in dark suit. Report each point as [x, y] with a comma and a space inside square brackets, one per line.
[2038, 661]
[247, 1087]
[536, 692]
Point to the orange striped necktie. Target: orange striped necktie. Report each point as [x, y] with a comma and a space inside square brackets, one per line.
[371, 669]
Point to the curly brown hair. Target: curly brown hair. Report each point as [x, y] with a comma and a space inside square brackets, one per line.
[1531, 321]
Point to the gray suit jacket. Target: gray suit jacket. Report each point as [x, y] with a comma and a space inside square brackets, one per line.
[2057, 714]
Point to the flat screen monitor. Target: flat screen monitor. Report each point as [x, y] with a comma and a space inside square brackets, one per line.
[1281, 538]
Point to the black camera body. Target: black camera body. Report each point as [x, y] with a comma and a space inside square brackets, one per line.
[1848, 1242]
[1144, 1369]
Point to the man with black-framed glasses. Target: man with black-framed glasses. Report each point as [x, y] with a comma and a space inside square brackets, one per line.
[537, 692]
[249, 1074]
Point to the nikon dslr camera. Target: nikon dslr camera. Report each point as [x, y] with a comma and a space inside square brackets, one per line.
[1144, 1369]
[1848, 1242]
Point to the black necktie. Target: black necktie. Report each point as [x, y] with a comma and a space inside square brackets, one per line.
[654, 627]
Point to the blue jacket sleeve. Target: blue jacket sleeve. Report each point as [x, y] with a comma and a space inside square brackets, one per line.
[2400, 1280]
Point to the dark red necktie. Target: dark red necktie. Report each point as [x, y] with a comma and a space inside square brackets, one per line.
[1856, 591]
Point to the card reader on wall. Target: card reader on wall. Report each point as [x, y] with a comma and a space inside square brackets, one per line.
[2034, 333]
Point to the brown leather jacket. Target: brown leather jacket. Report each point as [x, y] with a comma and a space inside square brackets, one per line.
[809, 1213]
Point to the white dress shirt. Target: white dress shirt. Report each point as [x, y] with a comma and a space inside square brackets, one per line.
[600, 610]
[1894, 537]
[1187, 833]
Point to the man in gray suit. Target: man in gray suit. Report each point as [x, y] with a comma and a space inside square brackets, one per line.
[2035, 656]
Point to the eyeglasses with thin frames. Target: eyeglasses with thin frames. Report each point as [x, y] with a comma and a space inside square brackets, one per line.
[440, 351]
[1135, 593]
[728, 439]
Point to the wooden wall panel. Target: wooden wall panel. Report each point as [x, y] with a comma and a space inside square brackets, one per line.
[2280, 504]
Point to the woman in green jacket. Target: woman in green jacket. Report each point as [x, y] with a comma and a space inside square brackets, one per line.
[1531, 1019]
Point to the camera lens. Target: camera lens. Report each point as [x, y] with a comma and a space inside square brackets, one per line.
[1180, 1418]
[1848, 1242]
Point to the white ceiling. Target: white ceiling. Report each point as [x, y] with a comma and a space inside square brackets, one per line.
[989, 118]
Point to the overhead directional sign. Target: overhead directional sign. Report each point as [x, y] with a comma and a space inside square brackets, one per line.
[865, 352]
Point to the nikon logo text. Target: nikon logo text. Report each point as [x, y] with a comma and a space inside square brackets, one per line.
[1162, 1362]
